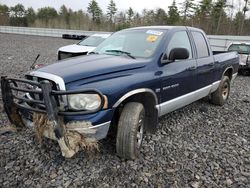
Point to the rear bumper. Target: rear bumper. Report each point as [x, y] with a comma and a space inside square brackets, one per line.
[244, 67]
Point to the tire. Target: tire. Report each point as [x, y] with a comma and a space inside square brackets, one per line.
[244, 72]
[130, 130]
[220, 96]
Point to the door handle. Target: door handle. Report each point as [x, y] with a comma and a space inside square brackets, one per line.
[191, 68]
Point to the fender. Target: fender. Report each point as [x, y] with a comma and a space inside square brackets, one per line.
[133, 92]
[231, 67]
[151, 113]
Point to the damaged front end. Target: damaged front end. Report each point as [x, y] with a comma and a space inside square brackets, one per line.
[46, 113]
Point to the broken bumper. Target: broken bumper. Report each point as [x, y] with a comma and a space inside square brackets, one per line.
[49, 107]
[98, 131]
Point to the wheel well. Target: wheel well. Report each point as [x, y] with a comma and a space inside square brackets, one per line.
[229, 73]
[149, 102]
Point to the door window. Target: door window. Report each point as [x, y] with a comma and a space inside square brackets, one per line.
[180, 39]
[201, 44]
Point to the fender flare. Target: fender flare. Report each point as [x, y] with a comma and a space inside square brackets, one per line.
[226, 71]
[133, 92]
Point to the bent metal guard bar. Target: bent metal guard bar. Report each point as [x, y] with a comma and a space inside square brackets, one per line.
[48, 103]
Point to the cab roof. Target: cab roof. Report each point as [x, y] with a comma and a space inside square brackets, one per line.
[164, 27]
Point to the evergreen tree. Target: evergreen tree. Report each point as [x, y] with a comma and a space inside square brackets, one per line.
[46, 14]
[111, 11]
[17, 15]
[213, 16]
[65, 15]
[203, 15]
[31, 16]
[4, 9]
[4, 15]
[237, 22]
[217, 14]
[148, 17]
[121, 21]
[245, 9]
[137, 19]
[130, 14]
[187, 10]
[95, 11]
[173, 14]
[160, 17]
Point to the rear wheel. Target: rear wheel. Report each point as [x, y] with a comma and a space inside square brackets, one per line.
[130, 130]
[244, 72]
[220, 96]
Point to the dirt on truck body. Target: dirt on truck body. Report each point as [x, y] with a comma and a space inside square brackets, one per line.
[131, 79]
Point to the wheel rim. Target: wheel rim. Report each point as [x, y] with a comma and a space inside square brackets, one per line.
[225, 91]
[139, 134]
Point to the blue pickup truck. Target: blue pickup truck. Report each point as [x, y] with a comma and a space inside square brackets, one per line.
[124, 85]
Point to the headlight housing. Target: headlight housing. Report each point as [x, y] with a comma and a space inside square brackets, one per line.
[84, 101]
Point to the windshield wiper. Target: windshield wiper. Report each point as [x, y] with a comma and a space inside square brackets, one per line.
[123, 52]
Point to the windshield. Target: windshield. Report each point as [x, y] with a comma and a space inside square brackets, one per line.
[91, 41]
[136, 43]
[240, 48]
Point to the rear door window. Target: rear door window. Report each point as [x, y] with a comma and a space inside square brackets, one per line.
[201, 44]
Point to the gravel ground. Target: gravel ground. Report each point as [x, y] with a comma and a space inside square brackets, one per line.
[201, 145]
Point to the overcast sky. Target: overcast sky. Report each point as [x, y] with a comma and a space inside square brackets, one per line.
[137, 5]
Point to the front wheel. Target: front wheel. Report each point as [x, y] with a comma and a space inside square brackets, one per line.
[130, 130]
[220, 96]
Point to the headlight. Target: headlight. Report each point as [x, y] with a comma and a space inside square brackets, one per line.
[84, 101]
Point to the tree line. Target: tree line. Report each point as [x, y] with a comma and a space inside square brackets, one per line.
[213, 16]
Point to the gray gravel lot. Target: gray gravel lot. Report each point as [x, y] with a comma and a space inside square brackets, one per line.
[201, 145]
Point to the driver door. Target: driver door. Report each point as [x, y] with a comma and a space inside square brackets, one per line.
[179, 77]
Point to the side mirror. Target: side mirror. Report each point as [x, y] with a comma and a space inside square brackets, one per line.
[175, 54]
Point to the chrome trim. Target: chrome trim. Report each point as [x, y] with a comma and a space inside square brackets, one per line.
[57, 79]
[215, 86]
[98, 131]
[92, 127]
[100, 125]
[136, 91]
[234, 76]
[186, 99]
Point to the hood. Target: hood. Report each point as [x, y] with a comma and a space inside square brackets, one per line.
[83, 67]
[75, 48]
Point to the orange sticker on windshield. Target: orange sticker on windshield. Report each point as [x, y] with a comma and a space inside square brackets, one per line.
[152, 38]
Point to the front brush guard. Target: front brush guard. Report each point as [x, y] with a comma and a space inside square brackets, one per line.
[8, 103]
[14, 103]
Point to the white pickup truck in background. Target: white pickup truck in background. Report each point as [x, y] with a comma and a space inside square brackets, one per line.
[82, 48]
[243, 50]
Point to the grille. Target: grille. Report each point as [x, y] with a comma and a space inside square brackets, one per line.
[65, 55]
[40, 96]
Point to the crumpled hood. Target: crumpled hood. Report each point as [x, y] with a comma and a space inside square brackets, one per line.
[83, 67]
[74, 48]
